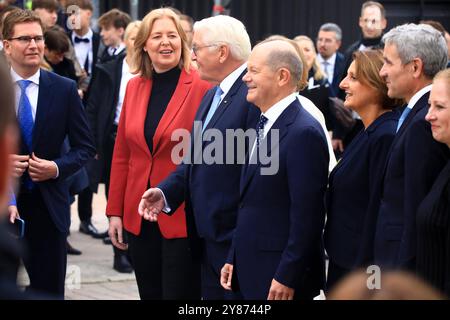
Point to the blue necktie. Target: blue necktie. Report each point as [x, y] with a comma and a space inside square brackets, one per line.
[213, 108]
[402, 118]
[260, 129]
[25, 115]
[26, 123]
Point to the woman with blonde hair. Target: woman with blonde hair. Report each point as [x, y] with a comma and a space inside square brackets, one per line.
[433, 215]
[163, 98]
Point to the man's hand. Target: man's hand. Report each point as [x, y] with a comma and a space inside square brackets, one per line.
[19, 164]
[41, 169]
[13, 213]
[337, 144]
[151, 204]
[225, 276]
[115, 232]
[279, 291]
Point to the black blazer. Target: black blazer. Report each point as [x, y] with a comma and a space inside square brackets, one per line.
[339, 70]
[354, 193]
[101, 110]
[414, 161]
[96, 41]
[433, 234]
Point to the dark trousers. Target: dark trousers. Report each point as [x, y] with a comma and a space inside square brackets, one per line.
[335, 274]
[164, 268]
[213, 259]
[85, 204]
[46, 257]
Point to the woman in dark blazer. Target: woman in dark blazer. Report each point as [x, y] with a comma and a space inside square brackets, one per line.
[164, 98]
[355, 183]
[433, 215]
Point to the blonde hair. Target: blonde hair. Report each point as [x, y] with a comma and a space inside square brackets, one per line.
[317, 69]
[303, 82]
[444, 75]
[141, 62]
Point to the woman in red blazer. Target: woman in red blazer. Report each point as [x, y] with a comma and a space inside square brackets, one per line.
[165, 97]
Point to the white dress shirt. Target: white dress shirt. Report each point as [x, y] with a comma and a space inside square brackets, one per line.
[126, 76]
[84, 49]
[114, 51]
[419, 94]
[329, 69]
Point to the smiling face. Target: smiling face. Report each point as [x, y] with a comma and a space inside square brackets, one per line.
[357, 93]
[308, 51]
[164, 45]
[25, 57]
[439, 112]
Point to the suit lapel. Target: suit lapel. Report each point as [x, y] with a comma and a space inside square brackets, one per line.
[226, 101]
[139, 108]
[44, 106]
[175, 103]
[282, 124]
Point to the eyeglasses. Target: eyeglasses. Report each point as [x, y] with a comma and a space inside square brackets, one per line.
[27, 39]
[195, 49]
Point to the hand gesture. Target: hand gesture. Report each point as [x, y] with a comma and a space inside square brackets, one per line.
[151, 204]
[115, 232]
[225, 276]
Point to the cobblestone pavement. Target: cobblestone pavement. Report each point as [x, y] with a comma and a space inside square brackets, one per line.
[90, 276]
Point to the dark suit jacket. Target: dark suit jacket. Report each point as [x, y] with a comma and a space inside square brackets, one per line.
[96, 41]
[354, 193]
[339, 70]
[211, 191]
[414, 161]
[59, 114]
[101, 111]
[281, 216]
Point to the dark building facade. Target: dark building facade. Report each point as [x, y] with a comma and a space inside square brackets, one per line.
[294, 17]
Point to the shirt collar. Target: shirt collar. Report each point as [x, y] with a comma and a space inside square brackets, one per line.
[277, 109]
[228, 82]
[34, 78]
[88, 35]
[419, 94]
[331, 60]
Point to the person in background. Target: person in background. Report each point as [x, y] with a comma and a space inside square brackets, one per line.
[433, 215]
[56, 46]
[163, 98]
[188, 26]
[47, 11]
[318, 88]
[103, 111]
[354, 187]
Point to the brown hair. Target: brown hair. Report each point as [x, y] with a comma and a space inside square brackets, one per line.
[56, 40]
[50, 5]
[114, 18]
[303, 82]
[82, 4]
[141, 62]
[373, 4]
[368, 64]
[17, 17]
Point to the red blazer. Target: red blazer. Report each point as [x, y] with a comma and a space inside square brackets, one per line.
[133, 165]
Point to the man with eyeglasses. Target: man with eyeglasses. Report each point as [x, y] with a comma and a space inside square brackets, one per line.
[48, 109]
[221, 47]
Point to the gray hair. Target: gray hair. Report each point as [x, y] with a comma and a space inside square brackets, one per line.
[289, 59]
[327, 27]
[419, 41]
[226, 29]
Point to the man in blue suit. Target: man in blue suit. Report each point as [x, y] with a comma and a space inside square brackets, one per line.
[221, 47]
[277, 250]
[413, 54]
[48, 110]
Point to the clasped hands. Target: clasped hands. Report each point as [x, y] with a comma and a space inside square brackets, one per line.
[151, 204]
[38, 169]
